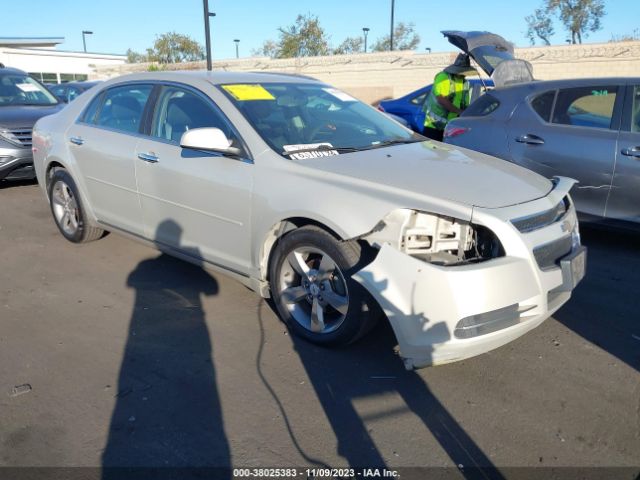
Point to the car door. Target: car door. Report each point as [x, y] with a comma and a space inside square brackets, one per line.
[570, 132]
[205, 196]
[103, 143]
[624, 199]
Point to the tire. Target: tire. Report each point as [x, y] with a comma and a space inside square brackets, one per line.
[67, 210]
[311, 285]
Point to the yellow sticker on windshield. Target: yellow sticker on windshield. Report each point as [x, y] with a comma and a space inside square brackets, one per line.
[243, 93]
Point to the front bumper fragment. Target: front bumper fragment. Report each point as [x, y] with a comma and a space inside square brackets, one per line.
[444, 314]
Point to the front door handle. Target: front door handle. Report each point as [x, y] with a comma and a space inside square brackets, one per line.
[76, 140]
[148, 157]
[631, 152]
[530, 139]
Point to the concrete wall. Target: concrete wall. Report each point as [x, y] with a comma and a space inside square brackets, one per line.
[375, 76]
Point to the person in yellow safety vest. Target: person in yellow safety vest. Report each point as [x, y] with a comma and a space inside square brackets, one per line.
[448, 98]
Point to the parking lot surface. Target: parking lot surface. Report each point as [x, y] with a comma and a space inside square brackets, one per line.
[114, 354]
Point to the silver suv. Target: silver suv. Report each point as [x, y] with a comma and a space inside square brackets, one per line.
[23, 101]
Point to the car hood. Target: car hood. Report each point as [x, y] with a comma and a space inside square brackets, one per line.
[25, 115]
[493, 54]
[436, 170]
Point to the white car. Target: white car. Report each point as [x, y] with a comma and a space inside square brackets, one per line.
[309, 196]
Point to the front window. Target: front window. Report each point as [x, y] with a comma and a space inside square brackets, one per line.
[20, 89]
[293, 117]
[179, 110]
[420, 99]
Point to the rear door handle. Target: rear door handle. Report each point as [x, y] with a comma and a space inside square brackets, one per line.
[530, 139]
[148, 157]
[631, 152]
[76, 140]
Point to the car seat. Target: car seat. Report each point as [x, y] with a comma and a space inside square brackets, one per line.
[123, 114]
[186, 113]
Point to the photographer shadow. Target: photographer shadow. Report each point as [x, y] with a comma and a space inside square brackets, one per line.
[168, 411]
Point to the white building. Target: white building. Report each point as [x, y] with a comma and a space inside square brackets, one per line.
[39, 57]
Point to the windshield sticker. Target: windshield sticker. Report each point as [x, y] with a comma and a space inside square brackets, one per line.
[340, 95]
[244, 93]
[310, 150]
[27, 87]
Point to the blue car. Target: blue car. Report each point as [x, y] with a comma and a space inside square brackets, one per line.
[409, 107]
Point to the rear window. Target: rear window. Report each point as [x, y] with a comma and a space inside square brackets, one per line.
[122, 107]
[542, 105]
[585, 106]
[483, 106]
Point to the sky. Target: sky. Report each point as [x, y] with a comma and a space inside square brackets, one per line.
[122, 24]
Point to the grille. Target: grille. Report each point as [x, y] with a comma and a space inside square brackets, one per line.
[543, 219]
[549, 254]
[23, 135]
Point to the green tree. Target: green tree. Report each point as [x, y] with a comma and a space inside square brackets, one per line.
[169, 47]
[135, 57]
[540, 25]
[404, 38]
[579, 17]
[305, 38]
[350, 45]
[268, 49]
[626, 37]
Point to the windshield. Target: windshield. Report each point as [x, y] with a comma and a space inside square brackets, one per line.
[19, 89]
[490, 56]
[314, 119]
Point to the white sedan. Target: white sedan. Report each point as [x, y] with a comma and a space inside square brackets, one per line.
[305, 194]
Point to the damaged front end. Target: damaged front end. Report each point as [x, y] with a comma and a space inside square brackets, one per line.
[435, 239]
[447, 287]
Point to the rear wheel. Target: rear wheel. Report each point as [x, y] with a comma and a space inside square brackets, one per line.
[67, 209]
[311, 284]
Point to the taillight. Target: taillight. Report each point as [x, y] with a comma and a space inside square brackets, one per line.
[450, 132]
[381, 108]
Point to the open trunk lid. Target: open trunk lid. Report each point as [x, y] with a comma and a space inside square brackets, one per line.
[493, 54]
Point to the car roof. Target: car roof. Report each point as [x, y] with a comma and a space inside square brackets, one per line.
[569, 82]
[4, 69]
[221, 77]
[89, 83]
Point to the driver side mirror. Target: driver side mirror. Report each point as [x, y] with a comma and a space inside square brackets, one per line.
[209, 139]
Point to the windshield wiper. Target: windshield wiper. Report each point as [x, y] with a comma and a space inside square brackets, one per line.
[393, 141]
[322, 148]
[384, 143]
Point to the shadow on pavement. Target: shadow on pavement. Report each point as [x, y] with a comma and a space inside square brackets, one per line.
[604, 307]
[168, 410]
[16, 183]
[370, 368]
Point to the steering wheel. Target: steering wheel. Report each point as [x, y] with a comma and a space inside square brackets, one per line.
[327, 129]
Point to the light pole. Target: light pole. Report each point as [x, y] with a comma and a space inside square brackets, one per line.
[84, 42]
[237, 42]
[365, 30]
[393, 4]
[207, 40]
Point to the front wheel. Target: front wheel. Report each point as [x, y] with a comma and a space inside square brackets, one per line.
[311, 284]
[67, 209]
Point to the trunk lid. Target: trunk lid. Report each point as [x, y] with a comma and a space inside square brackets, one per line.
[493, 54]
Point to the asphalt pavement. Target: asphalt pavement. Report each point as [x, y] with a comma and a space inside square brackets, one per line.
[112, 354]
